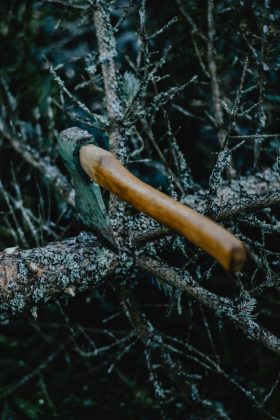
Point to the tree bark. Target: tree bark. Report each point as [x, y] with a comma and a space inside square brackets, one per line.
[31, 277]
[61, 269]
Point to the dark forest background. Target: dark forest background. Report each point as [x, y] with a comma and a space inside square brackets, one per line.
[47, 364]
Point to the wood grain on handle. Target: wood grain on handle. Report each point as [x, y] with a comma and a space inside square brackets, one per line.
[101, 166]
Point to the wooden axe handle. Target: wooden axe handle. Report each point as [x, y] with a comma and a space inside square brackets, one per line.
[102, 167]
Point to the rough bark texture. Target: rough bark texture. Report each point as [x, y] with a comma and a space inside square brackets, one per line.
[39, 275]
[223, 307]
[35, 276]
[107, 54]
[183, 110]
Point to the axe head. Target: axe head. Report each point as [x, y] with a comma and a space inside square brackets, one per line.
[89, 205]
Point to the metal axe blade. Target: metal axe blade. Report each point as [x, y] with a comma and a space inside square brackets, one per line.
[89, 205]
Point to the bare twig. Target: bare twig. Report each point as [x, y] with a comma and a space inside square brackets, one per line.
[107, 53]
[223, 306]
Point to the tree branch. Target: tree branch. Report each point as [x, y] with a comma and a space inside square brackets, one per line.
[223, 306]
[34, 276]
[216, 94]
[107, 53]
[31, 277]
[44, 166]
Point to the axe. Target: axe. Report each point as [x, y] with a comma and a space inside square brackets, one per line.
[91, 166]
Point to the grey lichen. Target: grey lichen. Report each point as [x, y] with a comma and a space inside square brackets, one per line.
[43, 274]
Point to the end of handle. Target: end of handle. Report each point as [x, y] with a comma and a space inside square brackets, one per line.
[238, 257]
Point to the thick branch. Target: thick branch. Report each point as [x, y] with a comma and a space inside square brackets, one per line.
[31, 277]
[40, 275]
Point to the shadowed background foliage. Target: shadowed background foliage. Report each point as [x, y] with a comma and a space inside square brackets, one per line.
[47, 366]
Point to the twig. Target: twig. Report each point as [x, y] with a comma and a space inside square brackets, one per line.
[223, 306]
[44, 166]
[107, 53]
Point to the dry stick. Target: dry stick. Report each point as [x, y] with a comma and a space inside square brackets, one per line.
[35, 276]
[67, 4]
[151, 337]
[209, 364]
[101, 166]
[164, 160]
[132, 311]
[224, 306]
[146, 332]
[107, 53]
[44, 166]
[216, 94]
[210, 71]
[261, 84]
